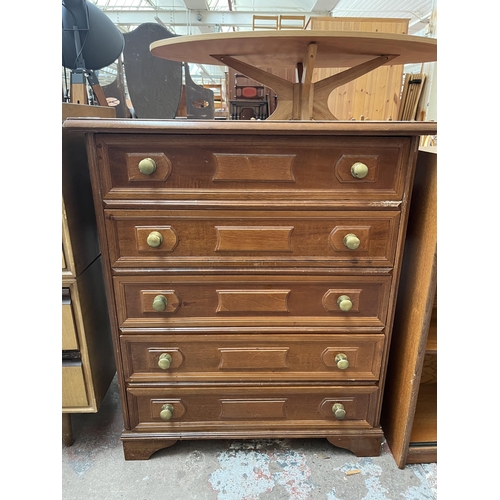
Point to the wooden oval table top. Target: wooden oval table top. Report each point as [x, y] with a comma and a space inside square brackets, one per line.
[289, 47]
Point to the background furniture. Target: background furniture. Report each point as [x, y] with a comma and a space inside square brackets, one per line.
[248, 110]
[250, 100]
[251, 271]
[282, 22]
[154, 84]
[87, 355]
[409, 415]
[303, 50]
[221, 109]
[245, 88]
[199, 100]
[242, 81]
[410, 96]
[116, 94]
[374, 96]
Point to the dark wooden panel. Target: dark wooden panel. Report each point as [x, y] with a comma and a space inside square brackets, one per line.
[154, 84]
[80, 239]
[199, 100]
[115, 93]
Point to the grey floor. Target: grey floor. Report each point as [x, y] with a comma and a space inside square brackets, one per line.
[93, 468]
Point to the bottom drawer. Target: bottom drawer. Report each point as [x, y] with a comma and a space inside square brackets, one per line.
[246, 407]
[74, 393]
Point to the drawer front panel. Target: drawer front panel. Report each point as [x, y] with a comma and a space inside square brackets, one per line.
[191, 357]
[69, 335]
[195, 408]
[74, 393]
[223, 237]
[158, 301]
[259, 167]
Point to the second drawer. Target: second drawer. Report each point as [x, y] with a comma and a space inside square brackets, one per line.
[169, 238]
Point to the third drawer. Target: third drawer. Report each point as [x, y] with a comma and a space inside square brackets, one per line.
[233, 300]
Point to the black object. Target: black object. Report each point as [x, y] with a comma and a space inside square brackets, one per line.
[154, 84]
[90, 41]
[88, 35]
[199, 100]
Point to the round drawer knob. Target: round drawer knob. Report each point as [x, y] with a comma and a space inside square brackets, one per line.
[342, 361]
[160, 303]
[147, 166]
[351, 241]
[165, 361]
[167, 412]
[338, 411]
[345, 303]
[154, 239]
[359, 170]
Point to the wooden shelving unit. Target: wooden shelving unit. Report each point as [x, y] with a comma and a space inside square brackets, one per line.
[87, 350]
[423, 437]
[409, 412]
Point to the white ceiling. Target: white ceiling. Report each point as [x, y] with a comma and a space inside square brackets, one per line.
[195, 16]
[184, 17]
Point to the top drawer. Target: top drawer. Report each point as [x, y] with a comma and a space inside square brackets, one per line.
[251, 169]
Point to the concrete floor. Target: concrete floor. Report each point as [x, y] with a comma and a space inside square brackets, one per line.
[93, 468]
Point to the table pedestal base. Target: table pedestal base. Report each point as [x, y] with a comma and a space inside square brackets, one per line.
[303, 100]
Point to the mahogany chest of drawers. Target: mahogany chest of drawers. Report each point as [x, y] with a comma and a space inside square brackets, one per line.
[251, 273]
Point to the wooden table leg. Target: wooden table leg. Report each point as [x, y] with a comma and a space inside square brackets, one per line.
[321, 90]
[303, 100]
[67, 433]
[284, 89]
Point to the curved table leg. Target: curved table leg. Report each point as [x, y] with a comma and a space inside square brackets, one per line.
[323, 88]
[304, 100]
[283, 88]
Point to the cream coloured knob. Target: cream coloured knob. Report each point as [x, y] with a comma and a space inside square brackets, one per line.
[147, 166]
[160, 303]
[167, 411]
[345, 303]
[154, 239]
[359, 170]
[351, 241]
[165, 361]
[338, 411]
[342, 361]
